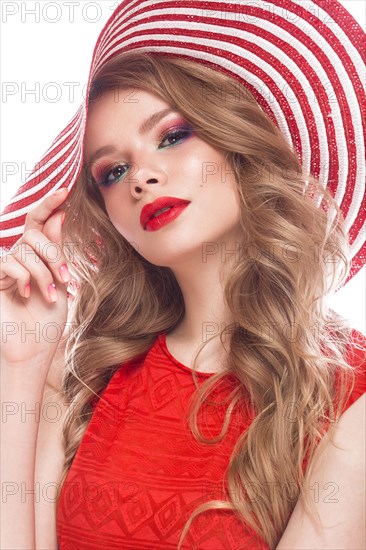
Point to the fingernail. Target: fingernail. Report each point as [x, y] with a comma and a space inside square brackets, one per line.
[27, 290]
[52, 292]
[65, 274]
[59, 191]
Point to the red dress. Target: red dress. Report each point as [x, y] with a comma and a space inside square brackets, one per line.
[139, 473]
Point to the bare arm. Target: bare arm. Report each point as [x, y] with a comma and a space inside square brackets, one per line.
[49, 457]
[33, 301]
[21, 391]
[32, 455]
[337, 486]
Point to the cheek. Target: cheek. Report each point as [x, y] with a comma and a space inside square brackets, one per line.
[222, 205]
[118, 213]
[211, 170]
[194, 166]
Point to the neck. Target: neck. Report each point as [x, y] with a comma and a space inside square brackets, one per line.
[202, 286]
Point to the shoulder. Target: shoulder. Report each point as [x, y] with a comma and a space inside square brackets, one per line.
[335, 490]
[349, 431]
[356, 348]
[356, 358]
[335, 487]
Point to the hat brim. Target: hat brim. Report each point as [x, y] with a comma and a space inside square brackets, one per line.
[303, 62]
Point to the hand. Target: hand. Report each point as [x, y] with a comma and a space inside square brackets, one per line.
[33, 286]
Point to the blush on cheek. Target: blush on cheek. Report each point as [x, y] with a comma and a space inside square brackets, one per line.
[123, 231]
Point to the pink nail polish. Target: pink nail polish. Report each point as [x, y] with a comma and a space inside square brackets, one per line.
[27, 290]
[52, 292]
[65, 274]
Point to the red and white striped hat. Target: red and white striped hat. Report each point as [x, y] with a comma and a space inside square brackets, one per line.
[302, 59]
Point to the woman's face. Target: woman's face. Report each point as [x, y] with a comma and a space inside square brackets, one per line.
[136, 159]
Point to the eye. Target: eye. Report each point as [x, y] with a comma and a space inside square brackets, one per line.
[175, 136]
[118, 171]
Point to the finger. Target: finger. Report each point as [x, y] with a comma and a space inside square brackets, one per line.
[52, 229]
[32, 243]
[38, 216]
[27, 259]
[11, 270]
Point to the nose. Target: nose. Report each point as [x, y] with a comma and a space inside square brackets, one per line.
[143, 177]
[137, 190]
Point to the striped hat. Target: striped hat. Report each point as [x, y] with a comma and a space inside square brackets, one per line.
[303, 60]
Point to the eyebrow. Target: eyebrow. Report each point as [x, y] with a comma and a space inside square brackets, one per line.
[152, 121]
[145, 127]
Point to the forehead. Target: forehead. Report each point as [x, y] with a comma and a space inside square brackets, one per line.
[115, 112]
[118, 101]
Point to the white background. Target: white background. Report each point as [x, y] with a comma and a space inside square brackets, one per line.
[52, 42]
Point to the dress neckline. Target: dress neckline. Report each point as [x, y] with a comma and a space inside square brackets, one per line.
[162, 343]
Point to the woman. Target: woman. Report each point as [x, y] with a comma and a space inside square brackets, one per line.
[236, 268]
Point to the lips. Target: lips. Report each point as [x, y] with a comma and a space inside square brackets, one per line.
[148, 211]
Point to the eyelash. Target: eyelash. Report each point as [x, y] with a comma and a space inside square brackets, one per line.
[185, 131]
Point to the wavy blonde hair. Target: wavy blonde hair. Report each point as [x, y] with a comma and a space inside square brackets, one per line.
[285, 342]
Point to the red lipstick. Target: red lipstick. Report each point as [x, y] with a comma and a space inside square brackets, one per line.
[152, 222]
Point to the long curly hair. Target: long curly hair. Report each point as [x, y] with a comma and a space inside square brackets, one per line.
[287, 346]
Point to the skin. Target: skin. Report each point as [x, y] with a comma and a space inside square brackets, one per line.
[195, 246]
